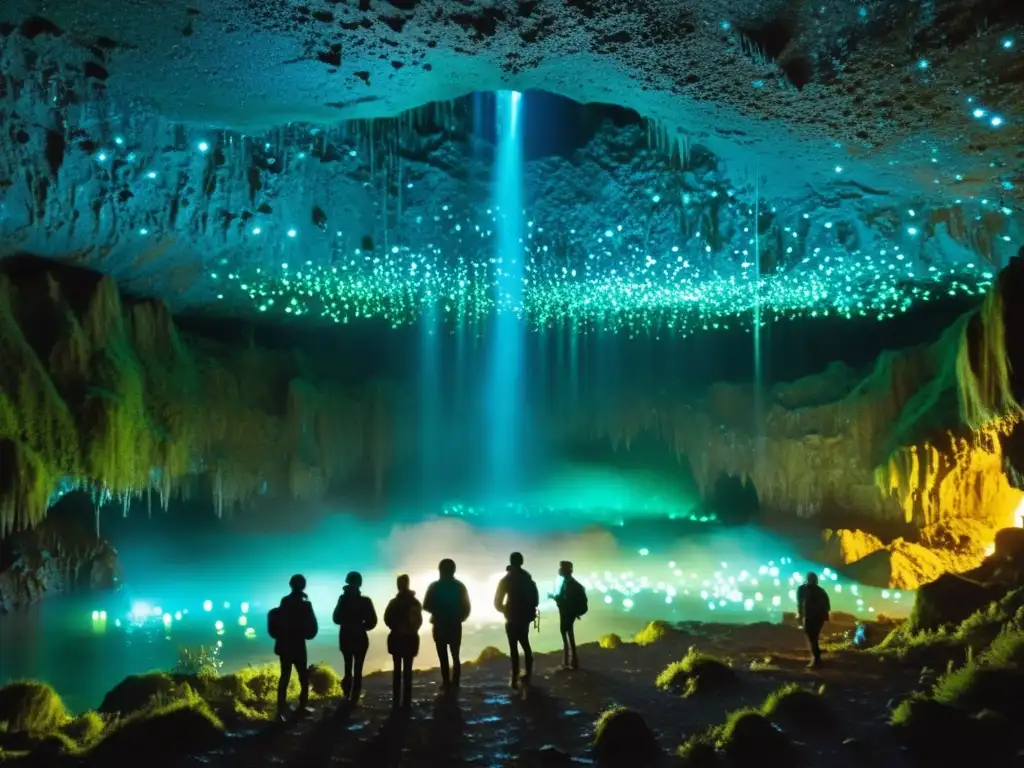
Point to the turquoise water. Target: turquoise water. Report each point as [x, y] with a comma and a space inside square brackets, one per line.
[84, 644]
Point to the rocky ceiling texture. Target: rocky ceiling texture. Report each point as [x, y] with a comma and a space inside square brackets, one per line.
[319, 158]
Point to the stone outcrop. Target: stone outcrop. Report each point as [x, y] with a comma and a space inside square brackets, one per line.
[53, 558]
[107, 395]
[843, 547]
[915, 441]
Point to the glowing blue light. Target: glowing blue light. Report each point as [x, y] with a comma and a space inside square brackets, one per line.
[996, 121]
[119, 141]
[207, 605]
[978, 113]
[143, 231]
[203, 146]
[291, 233]
[256, 230]
[656, 199]
[1008, 43]
[839, 169]
[912, 231]
[726, 25]
[922, 64]
[102, 157]
[151, 175]
[862, 12]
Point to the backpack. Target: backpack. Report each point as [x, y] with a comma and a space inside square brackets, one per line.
[274, 623]
[816, 602]
[578, 599]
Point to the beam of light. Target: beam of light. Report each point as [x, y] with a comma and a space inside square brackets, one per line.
[430, 416]
[505, 390]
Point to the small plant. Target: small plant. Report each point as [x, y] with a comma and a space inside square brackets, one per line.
[323, 681]
[652, 633]
[695, 673]
[186, 726]
[85, 730]
[622, 736]
[610, 641]
[198, 662]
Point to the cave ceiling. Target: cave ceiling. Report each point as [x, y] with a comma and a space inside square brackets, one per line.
[319, 159]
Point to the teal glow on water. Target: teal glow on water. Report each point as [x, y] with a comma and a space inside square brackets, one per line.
[632, 575]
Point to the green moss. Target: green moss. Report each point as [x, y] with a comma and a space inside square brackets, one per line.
[747, 736]
[695, 673]
[976, 686]
[183, 727]
[652, 633]
[490, 653]
[622, 734]
[324, 681]
[137, 692]
[796, 707]
[85, 730]
[32, 708]
[610, 641]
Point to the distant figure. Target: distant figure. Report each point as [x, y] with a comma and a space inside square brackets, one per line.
[517, 598]
[355, 617]
[291, 624]
[813, 607]
[404, 617]
[571, 600]
[447, 602]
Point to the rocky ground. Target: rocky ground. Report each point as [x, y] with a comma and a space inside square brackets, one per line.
[553, 722]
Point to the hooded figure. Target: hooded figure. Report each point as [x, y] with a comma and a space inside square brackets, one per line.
[355, 617]
[447, 602]
[813, 607]
[404, 617]
[517, 598]
[291, 624]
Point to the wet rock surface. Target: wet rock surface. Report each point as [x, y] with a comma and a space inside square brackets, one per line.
[54, 558]
[552, 722]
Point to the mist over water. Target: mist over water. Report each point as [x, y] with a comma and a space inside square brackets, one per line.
[637, 566]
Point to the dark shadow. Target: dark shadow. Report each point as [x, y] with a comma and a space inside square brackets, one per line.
[442, 734]
[733, 500]
[322, 740]
[385, 748]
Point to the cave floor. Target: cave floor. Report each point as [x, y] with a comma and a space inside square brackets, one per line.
[490, 725]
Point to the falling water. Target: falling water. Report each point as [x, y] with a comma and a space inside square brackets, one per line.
[505, 391]
[430, 398]
[758, 374]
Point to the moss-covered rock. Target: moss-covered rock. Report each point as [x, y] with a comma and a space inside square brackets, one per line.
[949, 600]
[653, 633]
[137, 692]
[490, 653]
[183, 727]
[696, 673]
[799, 709]
[622, 736]
[324, 681]
[85, 730]
[610, 641]
[747, 739]
[32, 708]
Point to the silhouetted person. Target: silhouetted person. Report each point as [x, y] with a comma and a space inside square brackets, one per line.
[355, 617]
[404, 617]
[813, 607]
[517, 598]
[291, 624]
[447, 602]
[571, 600]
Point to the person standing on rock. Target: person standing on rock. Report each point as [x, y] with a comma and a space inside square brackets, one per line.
[291, 624]
[517, 598]
[355, 616]
[813, 607]
[404, 617]
[447, 602]
[571, 600]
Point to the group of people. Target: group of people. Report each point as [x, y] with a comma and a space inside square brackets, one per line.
[294, 622]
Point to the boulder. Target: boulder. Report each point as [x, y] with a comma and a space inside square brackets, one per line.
[844, 546]
[949, 600]
[1009, 545]
[53, 558]
[907, 565]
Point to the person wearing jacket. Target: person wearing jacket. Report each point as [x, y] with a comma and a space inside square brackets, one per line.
[404, 617]
[291, 624]
[355, 616]
[447, 602]
[517, 598]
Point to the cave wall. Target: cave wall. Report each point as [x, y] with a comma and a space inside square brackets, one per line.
[107, 394]
[914, 441]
